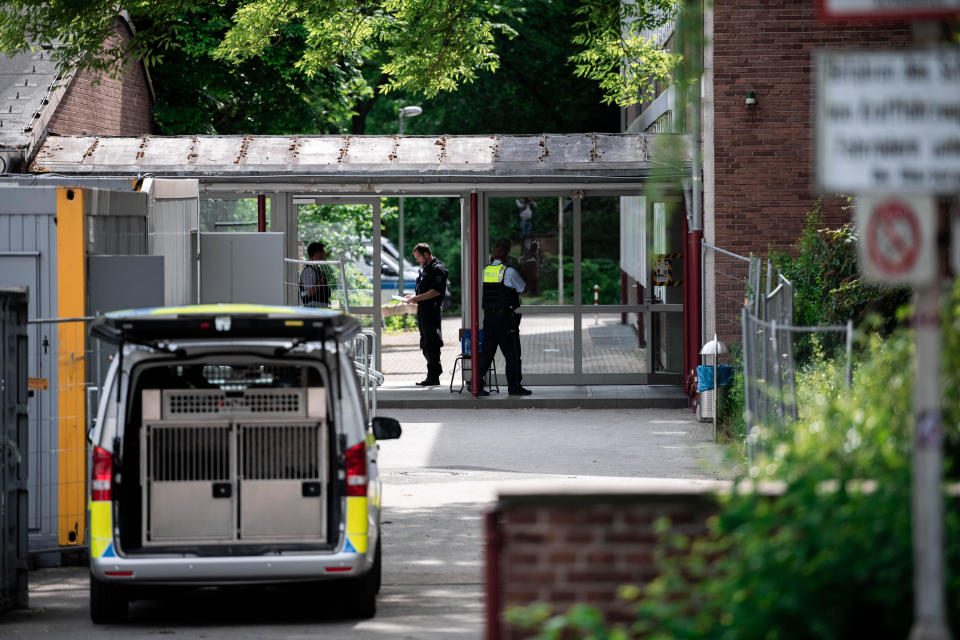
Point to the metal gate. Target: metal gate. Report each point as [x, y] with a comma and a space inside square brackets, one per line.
[13, 448]
[234, 466]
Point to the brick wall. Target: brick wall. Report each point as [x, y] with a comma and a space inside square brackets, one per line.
[764, 154]
[119, 107]
[563, 548]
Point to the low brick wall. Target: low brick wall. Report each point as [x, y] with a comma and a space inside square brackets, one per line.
[566, 544]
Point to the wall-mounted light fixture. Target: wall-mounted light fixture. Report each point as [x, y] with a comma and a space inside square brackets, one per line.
[751, 97]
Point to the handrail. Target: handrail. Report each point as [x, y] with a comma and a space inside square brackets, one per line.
[370, 373]
[725, 252]
[365, 345]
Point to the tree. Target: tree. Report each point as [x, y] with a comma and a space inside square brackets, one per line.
[422, 47]
[534, 91]
[199, 94]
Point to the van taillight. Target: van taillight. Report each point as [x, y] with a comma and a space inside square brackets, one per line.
[101, 474]
[357, 470]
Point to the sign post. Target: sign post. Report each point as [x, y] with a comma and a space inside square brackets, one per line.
[888, 125]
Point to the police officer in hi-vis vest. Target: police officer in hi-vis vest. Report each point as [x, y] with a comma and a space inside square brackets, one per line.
[502, 286]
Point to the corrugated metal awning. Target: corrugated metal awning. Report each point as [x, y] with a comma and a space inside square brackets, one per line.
[496, 158]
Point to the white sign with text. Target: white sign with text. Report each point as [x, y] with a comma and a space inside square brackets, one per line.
[888, 122]
[887, 8]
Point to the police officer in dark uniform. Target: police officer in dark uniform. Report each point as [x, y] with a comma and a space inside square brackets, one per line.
[431, 285]
[502, 286]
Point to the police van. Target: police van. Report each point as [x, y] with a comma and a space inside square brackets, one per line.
[231, 446]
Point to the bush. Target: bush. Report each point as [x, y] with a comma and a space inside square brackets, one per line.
[730, 422]
[827, 284]
[830, 556]
[396, 324]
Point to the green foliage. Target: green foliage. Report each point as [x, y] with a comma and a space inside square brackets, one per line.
[611, 33]
[730, 422]
[827, 285]
[533, 91]
[79, 33]
[830, 555]
[199, 94]
[334, 57]
[400, 323]
[429, 46]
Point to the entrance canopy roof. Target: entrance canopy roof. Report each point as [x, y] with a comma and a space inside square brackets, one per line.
[556, 159]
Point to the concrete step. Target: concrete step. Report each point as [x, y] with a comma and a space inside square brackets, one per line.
[565, 397]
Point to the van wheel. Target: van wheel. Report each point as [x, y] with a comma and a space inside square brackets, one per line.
[108, 602]
[363, 594]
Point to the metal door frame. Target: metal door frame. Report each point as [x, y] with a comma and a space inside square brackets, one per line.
[292, 216]
[36, 403]
[576, 307]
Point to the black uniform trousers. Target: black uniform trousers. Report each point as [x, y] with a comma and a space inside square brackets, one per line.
[430, 342]
[500, 330]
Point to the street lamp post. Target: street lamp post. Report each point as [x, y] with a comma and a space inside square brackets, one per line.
[404, 112]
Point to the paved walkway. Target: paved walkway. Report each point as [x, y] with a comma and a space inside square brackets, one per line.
[546, 341]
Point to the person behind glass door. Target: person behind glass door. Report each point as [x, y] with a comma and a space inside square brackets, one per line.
[314, 287]
[525, 209]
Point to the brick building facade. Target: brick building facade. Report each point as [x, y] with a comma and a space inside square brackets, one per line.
[762, 165]
[113, 106]
[758, 160]
[763, 154]
[35, 100]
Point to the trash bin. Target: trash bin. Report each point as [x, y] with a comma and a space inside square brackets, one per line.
[705, 389]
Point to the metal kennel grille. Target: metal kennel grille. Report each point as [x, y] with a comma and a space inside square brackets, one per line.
[233, 466]
[188, 483]
[280, 452]
[214, 402]
[188, 453]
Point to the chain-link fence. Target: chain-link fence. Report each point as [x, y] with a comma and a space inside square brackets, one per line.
[754, 304]
[769, 368]
[731, 275]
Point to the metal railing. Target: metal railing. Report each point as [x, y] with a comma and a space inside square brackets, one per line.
[365, 355]
[338, 284]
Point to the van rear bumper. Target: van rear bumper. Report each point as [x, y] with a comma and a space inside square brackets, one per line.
[231, 570]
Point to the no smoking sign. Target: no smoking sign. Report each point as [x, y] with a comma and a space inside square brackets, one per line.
[897, 239]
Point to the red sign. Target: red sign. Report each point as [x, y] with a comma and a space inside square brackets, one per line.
[894, 238]
[874, 10]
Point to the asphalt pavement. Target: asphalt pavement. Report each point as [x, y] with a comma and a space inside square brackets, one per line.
[438, 478]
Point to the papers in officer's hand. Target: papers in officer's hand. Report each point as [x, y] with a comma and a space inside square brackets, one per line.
[400, 298]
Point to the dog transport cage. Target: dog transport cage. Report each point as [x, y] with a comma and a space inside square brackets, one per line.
[223, 466]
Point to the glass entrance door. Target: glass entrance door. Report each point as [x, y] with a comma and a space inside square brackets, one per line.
[590, 315]
[348, 229]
